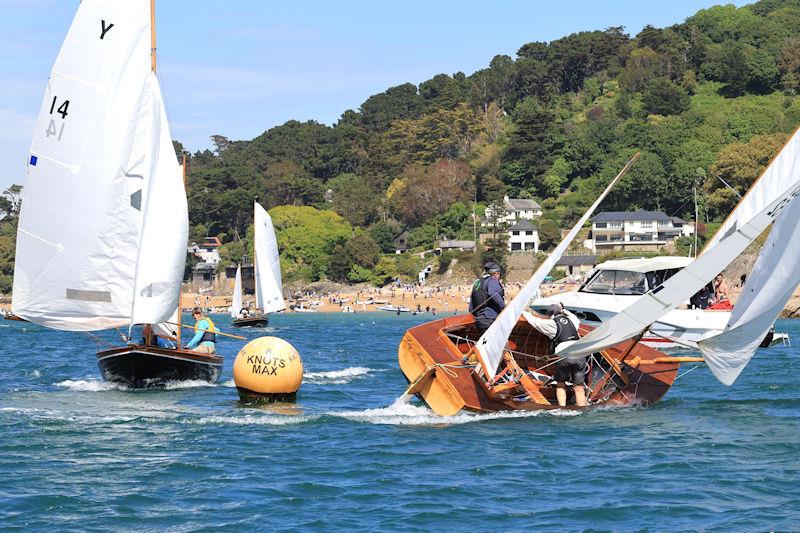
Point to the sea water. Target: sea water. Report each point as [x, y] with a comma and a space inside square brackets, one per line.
[77, 453]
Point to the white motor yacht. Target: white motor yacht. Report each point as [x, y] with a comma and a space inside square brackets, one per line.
[615, 285]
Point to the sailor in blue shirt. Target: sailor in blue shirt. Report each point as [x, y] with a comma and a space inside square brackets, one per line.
[205, 338]
[488, 297]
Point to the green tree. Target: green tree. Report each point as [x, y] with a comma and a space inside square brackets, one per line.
[354, 199]
[662, 97]
[306, 239]
[384, 233]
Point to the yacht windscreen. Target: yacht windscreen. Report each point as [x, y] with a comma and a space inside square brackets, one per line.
[616, 282]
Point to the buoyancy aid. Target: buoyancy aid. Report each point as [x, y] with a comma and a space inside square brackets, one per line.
[479, 295]
[565, 331]
[209, 336]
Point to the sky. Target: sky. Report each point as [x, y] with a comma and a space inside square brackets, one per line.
[239, 68]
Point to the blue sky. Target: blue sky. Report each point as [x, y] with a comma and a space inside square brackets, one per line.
[239, 68]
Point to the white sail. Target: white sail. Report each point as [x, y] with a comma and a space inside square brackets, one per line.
[492, 343]
[236, 301]
[769, 287]
[782, 175]
[100, 160]
[165, 228]
[269, 288]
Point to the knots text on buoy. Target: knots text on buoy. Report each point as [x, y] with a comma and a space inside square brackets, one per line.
[267, 369]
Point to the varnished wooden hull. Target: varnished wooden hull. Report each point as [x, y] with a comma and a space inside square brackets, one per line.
[139, 366]
[455, 387]
[14, 317]
[251, 322]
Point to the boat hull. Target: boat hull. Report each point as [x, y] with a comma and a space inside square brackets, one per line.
[251, 322]
[140, 366]
[433, 363]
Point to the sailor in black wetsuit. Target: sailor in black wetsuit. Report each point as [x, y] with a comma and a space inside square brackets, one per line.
[488, 297]
[562, 327]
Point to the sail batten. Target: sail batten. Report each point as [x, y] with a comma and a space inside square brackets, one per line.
[492, 343]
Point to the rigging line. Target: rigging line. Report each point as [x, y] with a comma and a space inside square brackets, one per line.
[695, 367]
[98, 340]
[676, 341]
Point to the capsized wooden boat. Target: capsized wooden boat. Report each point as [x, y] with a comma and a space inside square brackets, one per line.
[432, 357]
[140, 366]
[252, 321]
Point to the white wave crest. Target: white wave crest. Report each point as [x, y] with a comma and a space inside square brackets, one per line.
[250, 420]
[90, 385]
[403, 413]
[189, 384]
[337, 377]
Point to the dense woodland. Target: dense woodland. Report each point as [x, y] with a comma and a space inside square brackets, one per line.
[713, 97]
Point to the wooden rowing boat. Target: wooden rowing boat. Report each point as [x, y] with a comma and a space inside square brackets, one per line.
[433, 357]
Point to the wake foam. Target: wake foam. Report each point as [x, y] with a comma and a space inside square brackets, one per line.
[403, 413]
[90, 385]
[250, 420]
[337, 377]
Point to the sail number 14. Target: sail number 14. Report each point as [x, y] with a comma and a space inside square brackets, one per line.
[62, 110]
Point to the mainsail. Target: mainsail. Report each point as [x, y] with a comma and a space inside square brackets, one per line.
[773, 193]
[769, 287]
[492, 343]
[103, 227]
[236, 301]
[269, 288]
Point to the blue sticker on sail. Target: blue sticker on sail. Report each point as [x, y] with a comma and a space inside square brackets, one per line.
[34, 159]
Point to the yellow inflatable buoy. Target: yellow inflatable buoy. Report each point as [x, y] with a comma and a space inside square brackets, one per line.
[267, 369]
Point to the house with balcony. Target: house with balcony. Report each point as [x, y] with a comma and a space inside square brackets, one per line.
[511, 211]
[635, 231]
[207, 251]
[523, 236]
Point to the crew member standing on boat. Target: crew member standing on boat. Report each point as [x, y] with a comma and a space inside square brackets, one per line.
[488, 297]
[205, 338]
[561, 327]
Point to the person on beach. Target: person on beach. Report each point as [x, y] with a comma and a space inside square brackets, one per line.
[561, 327]
[488, 296]
[205, 338]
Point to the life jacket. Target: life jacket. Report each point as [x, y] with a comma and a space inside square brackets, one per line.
[565, 331]
[479, 295]
[208, 336]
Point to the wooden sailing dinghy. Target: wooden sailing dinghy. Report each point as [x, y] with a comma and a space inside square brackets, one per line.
[102, 234]
[267, 269]
[452, 367]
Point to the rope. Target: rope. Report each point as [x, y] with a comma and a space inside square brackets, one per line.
[676, 341]
[99, 340]
[695, 367]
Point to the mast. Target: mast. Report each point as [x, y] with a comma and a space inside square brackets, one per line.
[180, 295]
[153, 35]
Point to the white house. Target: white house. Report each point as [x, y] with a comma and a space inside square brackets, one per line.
[512, 210]
[639, 230]
[208, 250]
[523, 236]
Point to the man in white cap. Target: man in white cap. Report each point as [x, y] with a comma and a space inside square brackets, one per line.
[562, 328]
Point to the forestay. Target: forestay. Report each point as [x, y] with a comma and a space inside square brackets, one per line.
[236, 301]
[269, 288]
[101, 159]
[781, 180]
[492, 343]
[768, 289]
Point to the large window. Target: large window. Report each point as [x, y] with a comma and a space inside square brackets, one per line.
[600, 225]
[647, 223]
[616, 282]
[516, 246]
[615, 225]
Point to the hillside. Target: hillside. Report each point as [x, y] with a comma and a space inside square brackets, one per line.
[714, 96]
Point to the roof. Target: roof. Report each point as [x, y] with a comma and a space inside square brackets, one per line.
[211, 241]
[521, 203]
[679, 220]
[627, 216]
[456, 244]
[576, 260]
[643, 264]
[522, 225]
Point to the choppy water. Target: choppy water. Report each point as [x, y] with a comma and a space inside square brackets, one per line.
[79, 454]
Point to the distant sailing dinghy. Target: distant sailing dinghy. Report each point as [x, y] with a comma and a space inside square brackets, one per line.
[267, 268]
[452, 367]
[102, 234]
